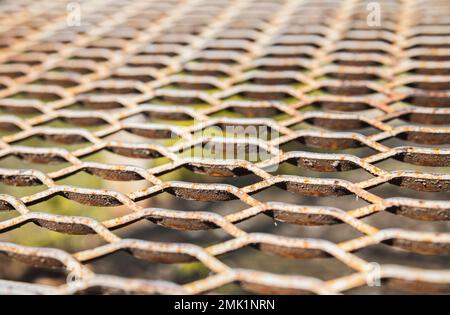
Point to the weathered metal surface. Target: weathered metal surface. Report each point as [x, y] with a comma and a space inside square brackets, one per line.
[313, 73]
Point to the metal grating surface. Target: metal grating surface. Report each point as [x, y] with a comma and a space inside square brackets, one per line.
[314, 72]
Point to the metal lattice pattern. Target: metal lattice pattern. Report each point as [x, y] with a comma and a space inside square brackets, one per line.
[264, 61]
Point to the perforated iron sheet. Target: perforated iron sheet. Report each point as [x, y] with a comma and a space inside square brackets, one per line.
[313, 72]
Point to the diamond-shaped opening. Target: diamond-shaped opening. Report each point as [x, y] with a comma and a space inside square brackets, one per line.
[42, 96]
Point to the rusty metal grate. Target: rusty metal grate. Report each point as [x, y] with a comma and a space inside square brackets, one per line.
[315, 72]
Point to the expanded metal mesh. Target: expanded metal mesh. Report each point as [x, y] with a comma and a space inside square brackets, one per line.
[325, 74]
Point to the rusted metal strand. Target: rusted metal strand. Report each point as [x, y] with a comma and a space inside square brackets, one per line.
[311, 72]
